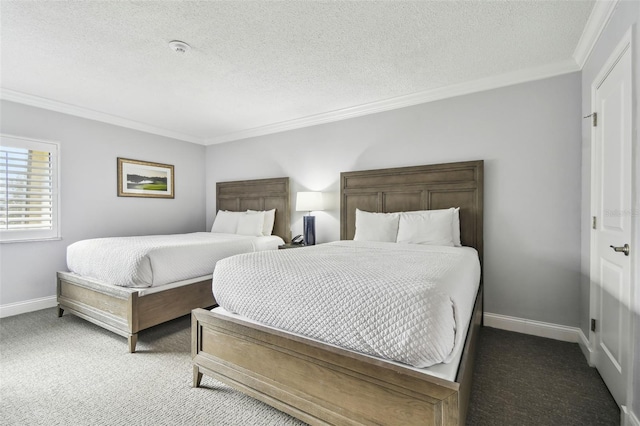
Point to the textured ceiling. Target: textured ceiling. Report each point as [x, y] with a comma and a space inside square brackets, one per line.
[254, 64]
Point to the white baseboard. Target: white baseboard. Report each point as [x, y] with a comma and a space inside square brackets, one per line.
[535, 328]
[629, 418]
[542, 329]
[18, 308]
[587, 350]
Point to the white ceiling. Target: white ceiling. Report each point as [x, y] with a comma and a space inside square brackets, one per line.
[258, 67]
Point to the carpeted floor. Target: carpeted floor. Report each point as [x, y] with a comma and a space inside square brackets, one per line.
[66, 371]
[527, 380]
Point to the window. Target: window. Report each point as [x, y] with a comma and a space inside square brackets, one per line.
[29, 189]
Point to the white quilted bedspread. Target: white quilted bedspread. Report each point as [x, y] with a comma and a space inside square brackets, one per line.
[154, 260]
[394, 301]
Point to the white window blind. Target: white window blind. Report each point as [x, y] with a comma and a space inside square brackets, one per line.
[28, 189]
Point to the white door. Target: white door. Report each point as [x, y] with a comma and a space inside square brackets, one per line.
[611, 238]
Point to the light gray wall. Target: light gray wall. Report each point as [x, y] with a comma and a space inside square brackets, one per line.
[89, 203]
[626, 15]
[529, 137]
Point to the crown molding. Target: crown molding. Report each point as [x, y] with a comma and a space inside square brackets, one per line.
[598, 20]
[489, 83]
[36, 101]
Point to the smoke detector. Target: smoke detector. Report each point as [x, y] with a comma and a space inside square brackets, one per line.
[179, 46]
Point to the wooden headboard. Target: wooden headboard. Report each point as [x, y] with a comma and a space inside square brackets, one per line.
[258, 194]
[437, 186]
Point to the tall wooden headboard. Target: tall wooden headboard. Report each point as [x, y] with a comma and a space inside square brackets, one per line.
[258, 194]
[431, 187]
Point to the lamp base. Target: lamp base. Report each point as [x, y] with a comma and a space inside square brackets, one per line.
[309, 230]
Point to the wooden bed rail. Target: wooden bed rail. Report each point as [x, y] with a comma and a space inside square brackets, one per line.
[122, 310]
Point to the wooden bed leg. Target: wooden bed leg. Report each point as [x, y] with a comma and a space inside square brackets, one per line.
[197, 377]
[133, 339]
[60, 311]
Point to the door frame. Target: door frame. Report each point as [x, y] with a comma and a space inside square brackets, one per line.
[625, 43]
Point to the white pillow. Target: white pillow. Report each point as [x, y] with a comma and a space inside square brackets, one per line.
[226, 222]
[376, 226]
[455, 222]
[456, 227]
[251, 224]
[432, 227]
[269, 221]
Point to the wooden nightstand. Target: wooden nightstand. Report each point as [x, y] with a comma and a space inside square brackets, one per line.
[290, 246]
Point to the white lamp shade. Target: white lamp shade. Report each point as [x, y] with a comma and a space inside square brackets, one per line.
[309, 201]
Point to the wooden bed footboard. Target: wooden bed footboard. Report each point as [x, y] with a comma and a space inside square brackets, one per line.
[122, 310]
[322, 384]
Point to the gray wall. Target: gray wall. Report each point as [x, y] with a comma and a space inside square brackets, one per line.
[626, 15]
[529, 137]
[89, 204]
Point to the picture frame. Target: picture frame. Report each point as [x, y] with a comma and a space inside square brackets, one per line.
[145, 179]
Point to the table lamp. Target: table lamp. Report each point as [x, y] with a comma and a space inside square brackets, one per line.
[308, 202]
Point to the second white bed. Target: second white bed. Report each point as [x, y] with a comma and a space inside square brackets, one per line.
[157, 260]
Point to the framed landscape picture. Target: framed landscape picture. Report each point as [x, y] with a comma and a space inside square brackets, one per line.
[144, 179]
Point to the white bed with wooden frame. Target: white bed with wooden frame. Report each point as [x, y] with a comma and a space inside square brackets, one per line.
[126, 311]
[323, 384]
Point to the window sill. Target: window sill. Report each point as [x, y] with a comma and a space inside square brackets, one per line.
[30, 240]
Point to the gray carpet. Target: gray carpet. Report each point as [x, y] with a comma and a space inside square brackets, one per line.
[66, 371]
[526, 380]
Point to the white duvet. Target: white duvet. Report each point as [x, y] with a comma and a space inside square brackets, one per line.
[402, 302]
[154, 260]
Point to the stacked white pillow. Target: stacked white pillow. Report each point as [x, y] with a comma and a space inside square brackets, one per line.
[431, 227]
[226, 222]
[252, 222]
[376, 226]
[269, 220]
